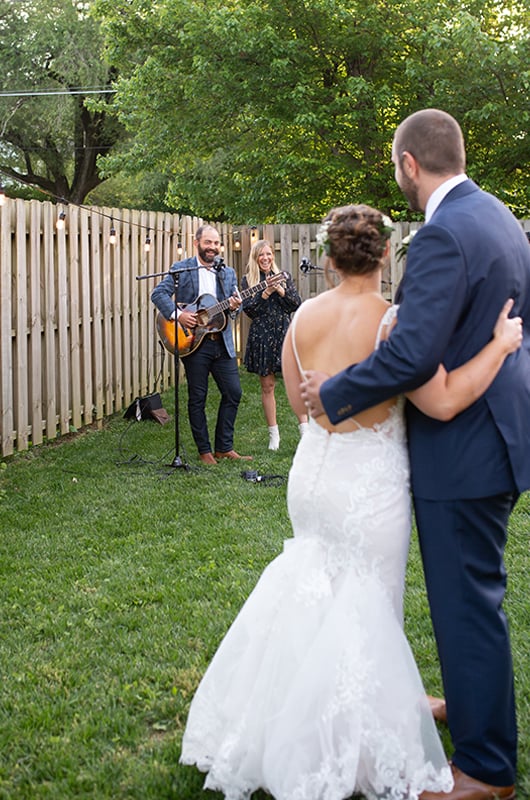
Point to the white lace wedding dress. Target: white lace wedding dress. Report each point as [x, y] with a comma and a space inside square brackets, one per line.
[314, 694]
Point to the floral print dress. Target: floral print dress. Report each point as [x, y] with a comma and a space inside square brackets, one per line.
[270, 319]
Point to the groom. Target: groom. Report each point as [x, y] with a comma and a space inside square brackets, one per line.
[469, 257]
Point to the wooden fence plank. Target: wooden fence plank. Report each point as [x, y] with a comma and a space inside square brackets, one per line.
[6, 351]
[98, 363]
[103, 232]
[20, 344]
[143, 304]
[286, 248]
[50, 291]
[124, 265]
[115, 309]
[74, 317]
[85, 281]
[35, 326]
[135, 317]
[62, 317]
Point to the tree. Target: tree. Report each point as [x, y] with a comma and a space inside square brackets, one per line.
[52, 141]
[274, 111]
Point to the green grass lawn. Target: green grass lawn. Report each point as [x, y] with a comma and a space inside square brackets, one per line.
[120, 575]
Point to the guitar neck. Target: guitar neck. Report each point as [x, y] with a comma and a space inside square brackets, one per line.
[222, 305]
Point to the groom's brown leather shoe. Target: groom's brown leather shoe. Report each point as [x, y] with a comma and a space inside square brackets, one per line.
[468, 788]
[438, 708]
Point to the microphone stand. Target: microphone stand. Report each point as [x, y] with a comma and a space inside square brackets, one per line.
[178, 462]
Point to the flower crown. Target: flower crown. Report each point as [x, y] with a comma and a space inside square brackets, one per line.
[323, 237]
[385, 229]
[405, 244]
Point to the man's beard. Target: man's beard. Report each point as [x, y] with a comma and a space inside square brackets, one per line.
[207, 256]
[410, 190]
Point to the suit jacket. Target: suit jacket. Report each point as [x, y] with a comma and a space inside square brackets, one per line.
[461, 268]
[188, 291]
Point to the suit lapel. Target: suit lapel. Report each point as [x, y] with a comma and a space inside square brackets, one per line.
[194, 275]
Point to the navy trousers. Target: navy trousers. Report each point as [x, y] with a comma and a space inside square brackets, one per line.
[212, 358]
[462, 545]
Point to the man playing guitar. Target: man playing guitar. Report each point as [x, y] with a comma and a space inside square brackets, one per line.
[212, 352]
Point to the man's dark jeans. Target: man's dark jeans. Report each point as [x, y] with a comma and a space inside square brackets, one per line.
[211, 358]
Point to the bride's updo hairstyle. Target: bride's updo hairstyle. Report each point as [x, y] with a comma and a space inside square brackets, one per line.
[355, 237]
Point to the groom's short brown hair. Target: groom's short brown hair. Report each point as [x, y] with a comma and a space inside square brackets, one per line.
[435, 140]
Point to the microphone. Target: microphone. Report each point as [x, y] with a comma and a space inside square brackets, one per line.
[306, 265]
[218, 263]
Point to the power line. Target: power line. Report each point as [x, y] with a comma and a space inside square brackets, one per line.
[45, 92]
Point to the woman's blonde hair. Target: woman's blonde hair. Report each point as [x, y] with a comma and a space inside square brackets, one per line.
[253, 272]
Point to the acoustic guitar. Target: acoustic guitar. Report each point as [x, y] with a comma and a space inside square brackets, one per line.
[211, 318]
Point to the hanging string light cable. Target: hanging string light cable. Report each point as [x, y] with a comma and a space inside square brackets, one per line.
[61, 219]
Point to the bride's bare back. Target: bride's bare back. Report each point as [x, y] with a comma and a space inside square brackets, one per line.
[334, 330]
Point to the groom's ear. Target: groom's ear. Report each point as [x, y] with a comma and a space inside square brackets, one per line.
[409, 165]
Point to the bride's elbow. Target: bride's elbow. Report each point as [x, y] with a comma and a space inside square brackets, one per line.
[446, 414]
[444, 410]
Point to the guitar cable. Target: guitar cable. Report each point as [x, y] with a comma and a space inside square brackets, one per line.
[253, 476]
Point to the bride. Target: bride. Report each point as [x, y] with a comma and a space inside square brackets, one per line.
[314, 693]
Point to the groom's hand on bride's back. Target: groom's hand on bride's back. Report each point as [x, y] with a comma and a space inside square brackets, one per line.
[310, 391]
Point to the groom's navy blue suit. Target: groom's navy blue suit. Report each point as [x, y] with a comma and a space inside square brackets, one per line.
[462, 266]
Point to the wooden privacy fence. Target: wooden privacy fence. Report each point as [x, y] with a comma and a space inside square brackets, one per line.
[78, 339]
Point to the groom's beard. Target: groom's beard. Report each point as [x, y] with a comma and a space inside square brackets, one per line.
[410, 190]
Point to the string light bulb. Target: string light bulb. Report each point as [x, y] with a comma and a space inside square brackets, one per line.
[253, 234]
[112, 233]
[60, 221]
[179, 248]
[147, 245]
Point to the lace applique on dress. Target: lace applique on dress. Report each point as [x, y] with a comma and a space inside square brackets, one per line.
[386, 321]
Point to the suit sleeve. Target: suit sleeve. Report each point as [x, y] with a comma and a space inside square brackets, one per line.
[434, 293]
[162, 296]
[231, 287]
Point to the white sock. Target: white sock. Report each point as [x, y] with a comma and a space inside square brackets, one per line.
[274, 437]
[303, 426]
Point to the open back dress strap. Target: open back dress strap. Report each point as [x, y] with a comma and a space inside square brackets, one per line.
[293, 339]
